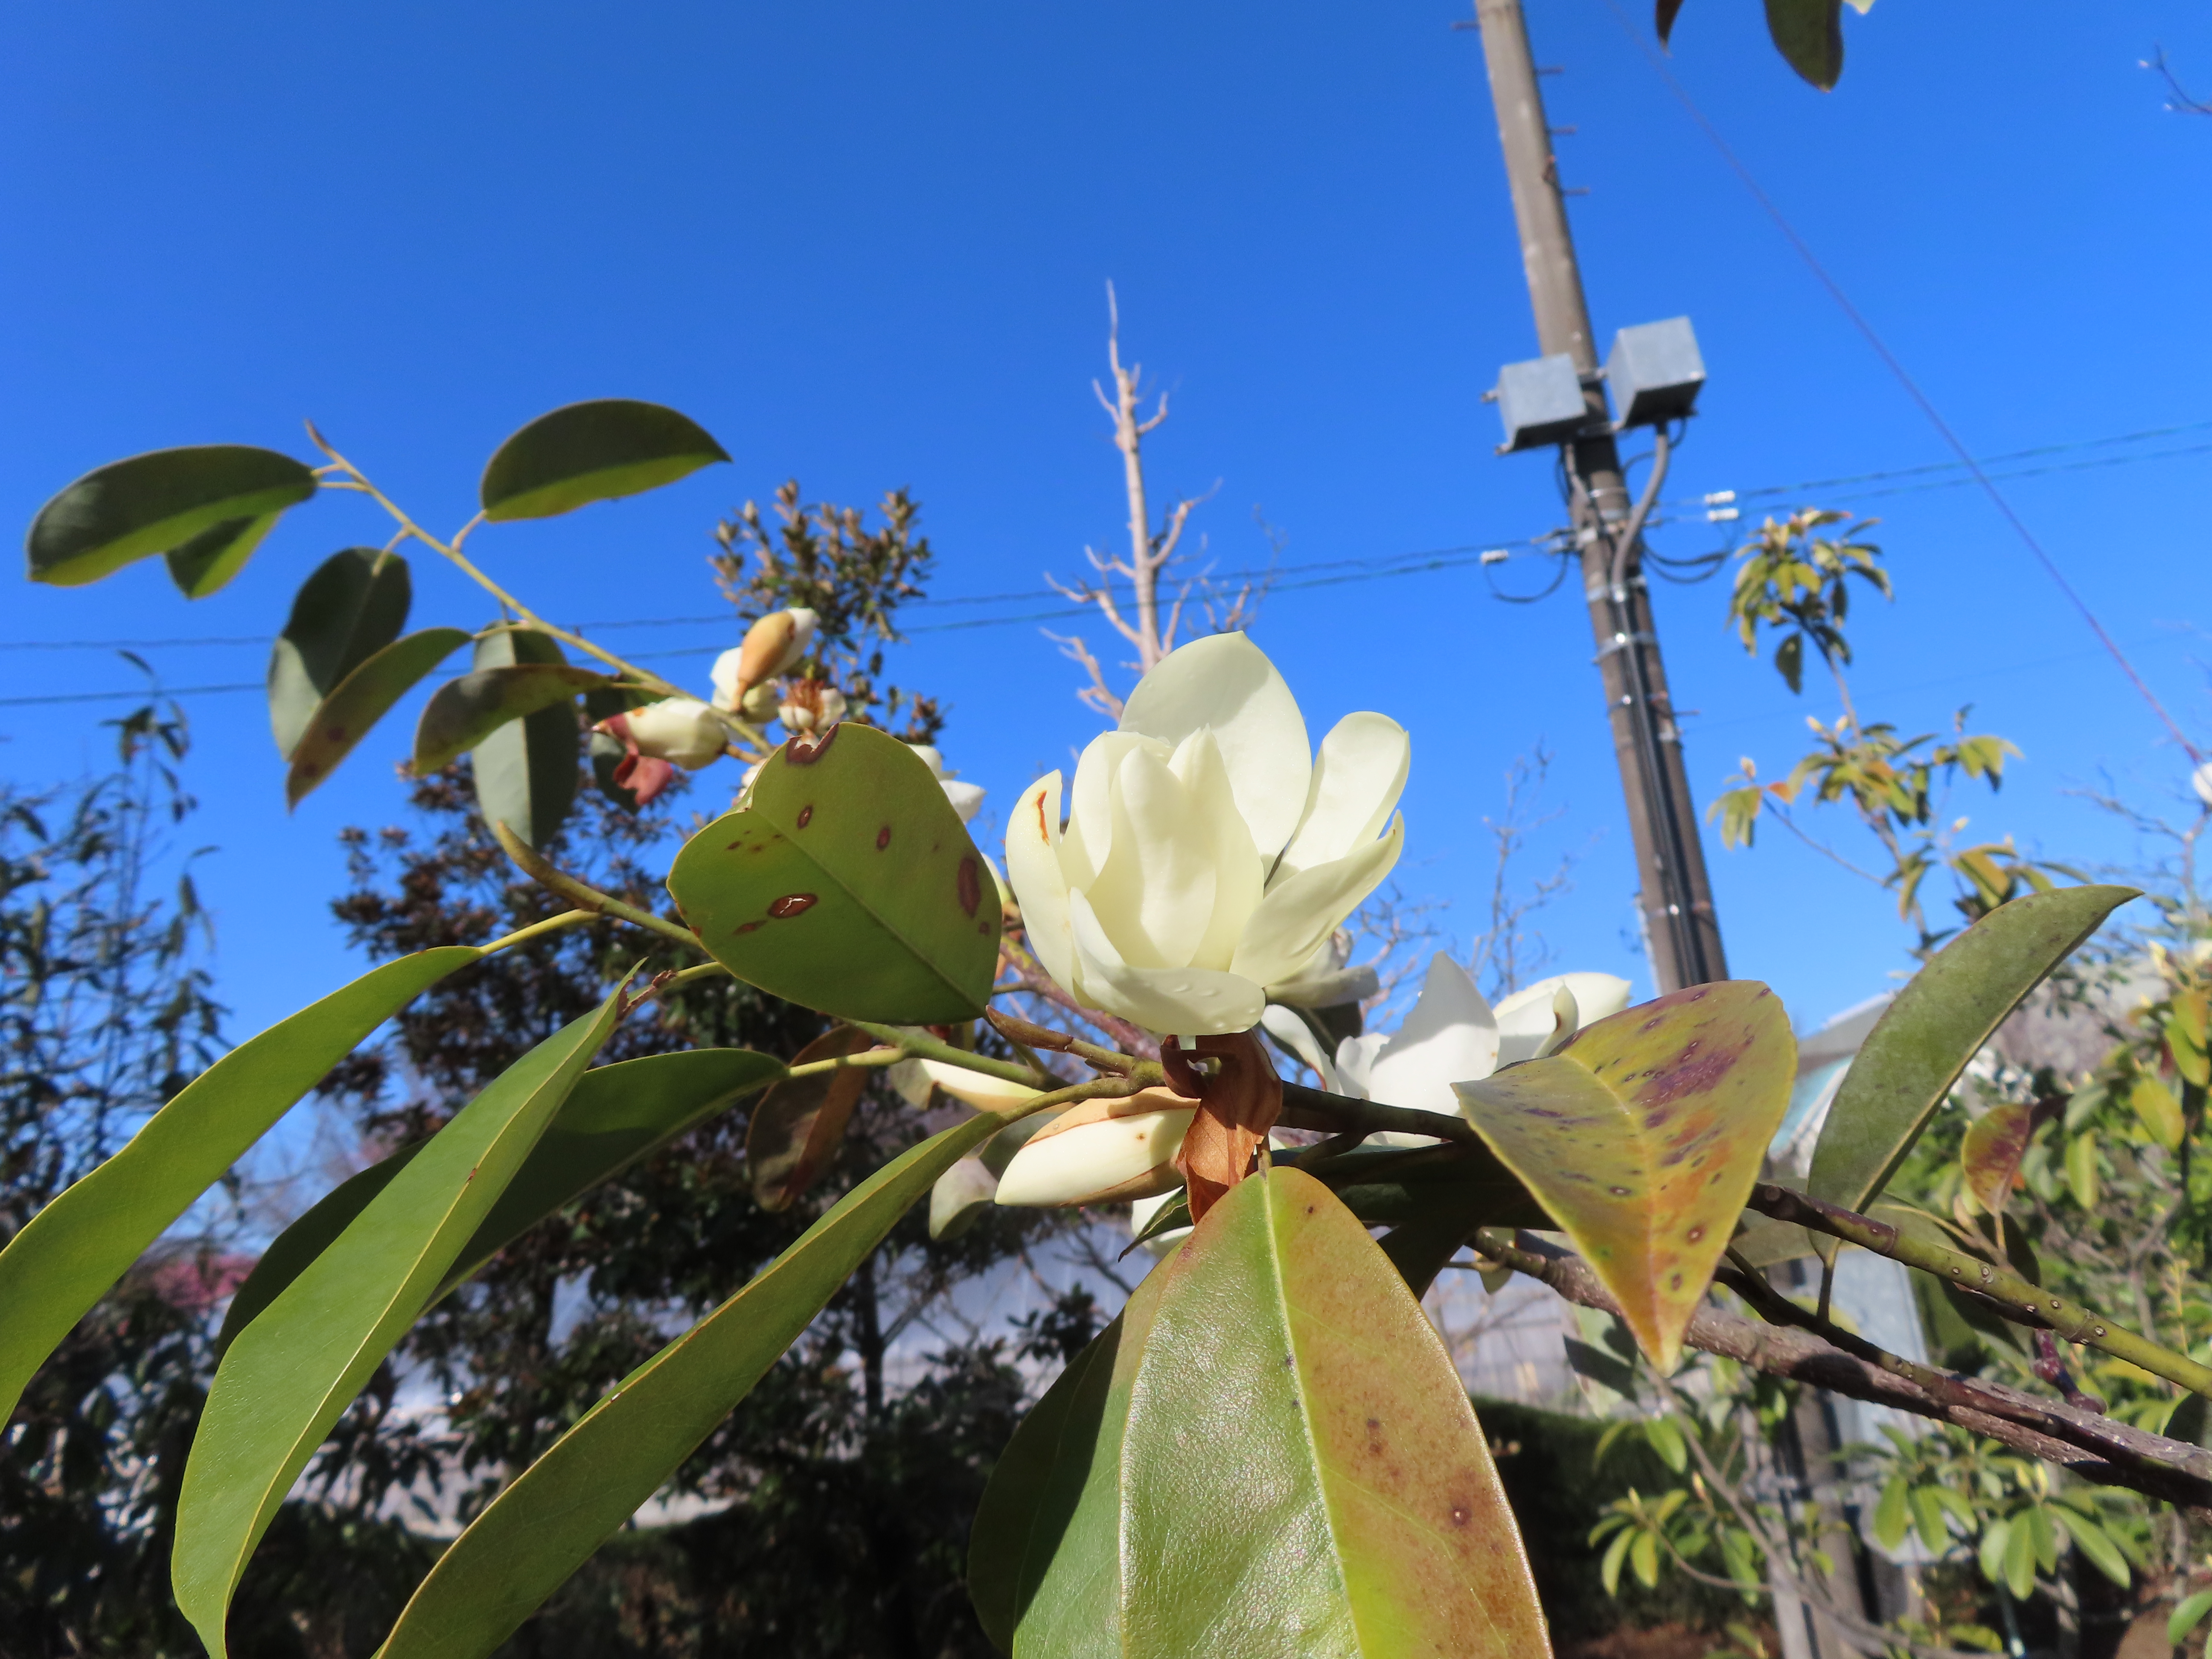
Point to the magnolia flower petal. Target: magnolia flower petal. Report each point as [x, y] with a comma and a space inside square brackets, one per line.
[1098, 1162]
[1226, 682]
[1140, 1217]
[727, 688]
[1357, 780]
[929, 755]
[1451, 1037]
[1191, 1001]
[1534, 1022]
[1237, 871]
[1599, 996]
[984, 1093]
[1293, 923]
[1033, 869]
[679, 729]
[1327, 988]
[1295, 1035]
[1090, 838]
[1155, 892]
[1355, 1061]
[967, 799]
[961, 1195]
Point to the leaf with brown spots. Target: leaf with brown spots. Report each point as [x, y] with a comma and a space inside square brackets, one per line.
[1642, 1137]
[845, 882]
[1996, 1142]
[1269, 1453]
[797, 1126]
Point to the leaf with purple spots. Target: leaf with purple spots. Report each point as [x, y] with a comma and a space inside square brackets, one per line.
[845, 882]
[1642, 1137]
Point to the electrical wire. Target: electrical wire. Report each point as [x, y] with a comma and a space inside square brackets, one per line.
[1904, 379]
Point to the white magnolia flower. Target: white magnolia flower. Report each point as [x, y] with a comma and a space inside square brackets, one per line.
[772, 645]
[679, 729]
[1209, 854]
[1098, 1151]
[2201, 781]
[983, 1092]
[1537, 1018]
[1449, 1037]
[967, 799]
[1328, 981]
[811, 706]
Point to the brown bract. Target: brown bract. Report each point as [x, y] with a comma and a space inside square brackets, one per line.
[1236, 1107]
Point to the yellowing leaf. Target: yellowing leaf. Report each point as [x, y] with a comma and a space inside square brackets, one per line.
[1642, 1137]
[2158, 1110]
[1996, 1142]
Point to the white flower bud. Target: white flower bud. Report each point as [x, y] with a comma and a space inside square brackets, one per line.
[772, 645]
[1100, 1151]
[759, 703]
[983, 1092]
[811, 706]
[682, 730]
[967, 799]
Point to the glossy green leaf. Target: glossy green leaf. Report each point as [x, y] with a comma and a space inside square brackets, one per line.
[1995, 1144]
[615, 1116]
[206, 563]
[551, 1518]
[290, 1373]
[797, 1126]
[129, 509]
[592, 452]
[69, 1255]
[363, 698]
[846, 884]
[1939, 1022]
[1643, 1136]
[461, 714]
[353, 605]
[2157, 1110]
[525, 771]
[1810, 35]
[1301, 1470]
[2187, 1615]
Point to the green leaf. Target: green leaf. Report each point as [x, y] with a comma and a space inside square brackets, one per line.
[1996, 1142]
[1299, 1470]
[1997, 1540]
[129, 509]
[1891, 1514]
[2081, 1178]
[1643, 1558]
[1643, 1136]
[290, 1373]
[2157, 1110]
[2017, 1564]
[345, 717]
[1927, 1512]
[69, 1255]
[1939, 1022]
[525, 771]
[592, 452]
[354, 605]
[799, 1125]
[615, 1116]
[1608, 1569]
[206, 563]
[461, 714]
[847, 883]
[1664, 21]
[1810, 35]
[2189, 1614]
[2094, 1542]
[551, 1518]
[1665, 1435]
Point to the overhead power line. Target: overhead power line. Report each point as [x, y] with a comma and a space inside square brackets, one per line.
[1897, 369]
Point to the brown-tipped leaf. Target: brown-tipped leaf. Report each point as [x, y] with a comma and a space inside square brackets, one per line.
[798, 1124]
[1996, 1142]
[1643, 1136]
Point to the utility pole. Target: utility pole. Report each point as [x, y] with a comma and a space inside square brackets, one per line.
[1676, 900]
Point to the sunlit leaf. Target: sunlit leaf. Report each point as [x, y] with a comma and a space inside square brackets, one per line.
[354, 605]
[592, 452]
[846, 884]
[1271, 1455]
[1643, 1136]
[526, 770]
[206, 563]
[363, 698]
[797, 1126]
[289, 1374]
[68, 1255]
[128, 509]
[2082, 1175]
[1938, 1023]
[2157, 1110]
[549, 1519]
[461, 714]
[1996, 1142]
[615, 1116]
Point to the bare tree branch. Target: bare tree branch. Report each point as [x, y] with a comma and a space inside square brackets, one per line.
[2178, 100]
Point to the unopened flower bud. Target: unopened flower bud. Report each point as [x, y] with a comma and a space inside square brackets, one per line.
[682, 730]
[1099, 1151]
[811, 706]
[772, 645]
[759, 703]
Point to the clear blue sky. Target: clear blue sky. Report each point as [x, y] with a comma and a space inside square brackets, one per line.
[867, 245]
